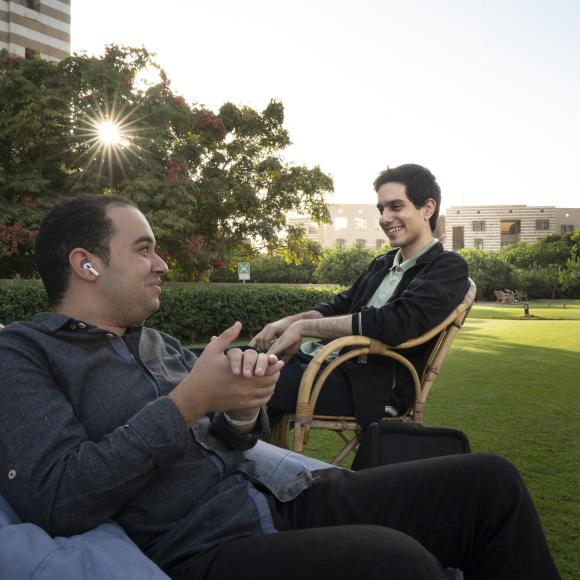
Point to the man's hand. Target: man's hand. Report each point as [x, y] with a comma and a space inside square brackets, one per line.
[212, 384]
[264, 340]
[270, 333]
[288, 344]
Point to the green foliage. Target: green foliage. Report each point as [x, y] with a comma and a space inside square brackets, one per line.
[538, 281]
[552, 250]
[342, 266]
[191, 312]
[21, 300]
[297, 248]
[488, 271]
[569, 279]
[208, 182]
[196, 312]
[269, 269]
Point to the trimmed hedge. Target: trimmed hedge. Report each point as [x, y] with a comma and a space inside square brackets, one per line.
[192, 313]
[21, 300]
[195, 313]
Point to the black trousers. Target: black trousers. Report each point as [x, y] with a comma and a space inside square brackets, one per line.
[399, 522]
[334, 399]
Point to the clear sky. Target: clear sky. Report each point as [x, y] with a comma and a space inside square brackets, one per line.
[486, 93]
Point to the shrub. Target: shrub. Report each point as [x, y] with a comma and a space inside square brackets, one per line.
[488, 271]
[539, 282]
[21, 300]
[270, 269]
[196, 312]
[570, 279]
[192, 312]
[342, 266]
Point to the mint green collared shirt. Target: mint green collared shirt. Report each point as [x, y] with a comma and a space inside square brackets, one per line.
[395, 274]
[382, 294]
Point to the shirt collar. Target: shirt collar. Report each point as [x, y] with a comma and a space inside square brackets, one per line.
[404, 266]
[54, 321]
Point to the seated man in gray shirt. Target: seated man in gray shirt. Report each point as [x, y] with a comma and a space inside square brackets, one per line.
[401, 295]
[102, 417]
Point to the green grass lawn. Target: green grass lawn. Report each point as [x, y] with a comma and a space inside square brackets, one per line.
[513, 386]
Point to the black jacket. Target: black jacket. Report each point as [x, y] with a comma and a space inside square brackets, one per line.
[426, 295]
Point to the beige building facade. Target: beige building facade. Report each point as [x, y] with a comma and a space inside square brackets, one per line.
[496, 226]
[352, 225]
[31, 27]
[483, 227]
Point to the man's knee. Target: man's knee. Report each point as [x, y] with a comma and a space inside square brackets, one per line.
[387, 553]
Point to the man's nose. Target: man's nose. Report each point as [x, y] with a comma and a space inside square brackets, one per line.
[385, 217]
[160, 265]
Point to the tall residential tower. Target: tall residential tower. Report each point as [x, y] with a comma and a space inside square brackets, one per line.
[31, 27]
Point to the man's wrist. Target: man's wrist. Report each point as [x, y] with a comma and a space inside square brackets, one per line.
[235, 422]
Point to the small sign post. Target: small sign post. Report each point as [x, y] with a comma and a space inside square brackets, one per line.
[243, 271]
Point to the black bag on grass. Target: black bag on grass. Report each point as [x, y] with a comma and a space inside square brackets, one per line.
[387, 442]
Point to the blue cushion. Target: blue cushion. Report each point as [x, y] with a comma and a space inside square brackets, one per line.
[27, 552]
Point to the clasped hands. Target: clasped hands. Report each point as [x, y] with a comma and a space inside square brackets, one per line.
[237, 382]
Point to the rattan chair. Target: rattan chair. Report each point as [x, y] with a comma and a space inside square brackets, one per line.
[304, 419]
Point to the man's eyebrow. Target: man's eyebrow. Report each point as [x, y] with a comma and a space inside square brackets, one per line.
[145, 238]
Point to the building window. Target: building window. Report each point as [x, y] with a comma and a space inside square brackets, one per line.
[567, 229]
[542, 224]
[340, 242]
[478, 244]
[479, 226]
[340, 223]
[33, 5]
[360, 242]
[379, 243]
[509, 227]
[360, 223]
[313, 229]
[30, 53]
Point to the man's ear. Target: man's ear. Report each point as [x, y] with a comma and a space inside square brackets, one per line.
[77, 259]
[429, 208]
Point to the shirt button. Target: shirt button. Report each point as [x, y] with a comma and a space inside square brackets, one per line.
[73, 326]
[109, 335]
[82, 325]
[12, 474]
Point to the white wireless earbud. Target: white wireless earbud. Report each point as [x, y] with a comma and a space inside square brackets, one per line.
[90, 268]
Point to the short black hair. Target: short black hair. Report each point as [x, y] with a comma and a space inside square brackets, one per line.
[76, 222]
[420, 185]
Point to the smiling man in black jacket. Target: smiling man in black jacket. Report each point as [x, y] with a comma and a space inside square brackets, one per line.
[400, 296]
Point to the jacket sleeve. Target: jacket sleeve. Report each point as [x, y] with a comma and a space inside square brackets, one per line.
[52, 473]
[429, 298]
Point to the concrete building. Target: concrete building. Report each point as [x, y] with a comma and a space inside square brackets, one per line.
[485, 227]
[31, 27]
[352, 224]
[493, 227]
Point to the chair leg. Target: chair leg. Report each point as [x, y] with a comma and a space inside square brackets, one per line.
[346, 450]
[280, 435]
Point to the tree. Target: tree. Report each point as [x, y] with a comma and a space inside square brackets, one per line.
[342, 266]
[551, 250]
[208, 182]
[488, 271]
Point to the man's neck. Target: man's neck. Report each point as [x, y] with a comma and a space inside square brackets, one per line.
[416, 247]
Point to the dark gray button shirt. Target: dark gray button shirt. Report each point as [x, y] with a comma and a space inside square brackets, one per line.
[88, 433]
